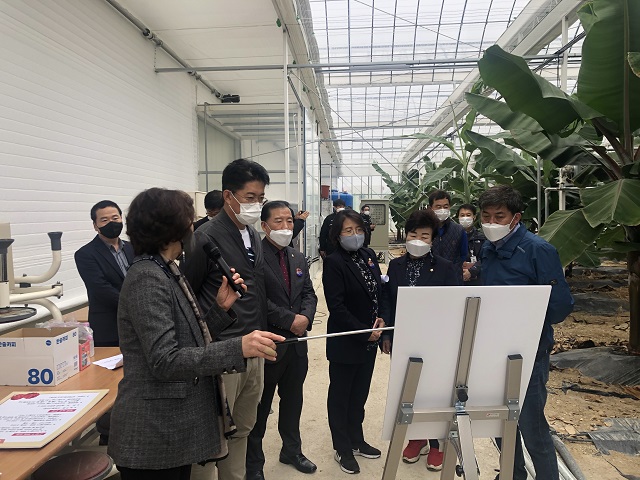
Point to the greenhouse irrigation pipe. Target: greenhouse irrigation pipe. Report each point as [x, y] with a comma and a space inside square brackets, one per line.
[567, 458]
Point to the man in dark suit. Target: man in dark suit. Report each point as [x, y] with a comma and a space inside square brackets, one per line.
[450, 239]
[326, 247]
[292, 306]
[213, 203]
[103, 264]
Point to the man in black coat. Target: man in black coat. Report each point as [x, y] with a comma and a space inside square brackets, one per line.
[365, 213]
[103, 264]
[291, 308]
[326, 247]
[471, 268]
[450, 240]
[213, 203]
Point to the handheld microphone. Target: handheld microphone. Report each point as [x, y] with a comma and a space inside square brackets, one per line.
[214, 254]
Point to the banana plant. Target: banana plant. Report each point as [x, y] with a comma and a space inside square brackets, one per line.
[596, 129]
[411, 191]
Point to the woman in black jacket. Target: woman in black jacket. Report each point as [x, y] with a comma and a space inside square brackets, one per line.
[418, 268]
[352, 288]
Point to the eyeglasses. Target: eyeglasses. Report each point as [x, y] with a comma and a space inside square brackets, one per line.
[350, 231]
[252, 199]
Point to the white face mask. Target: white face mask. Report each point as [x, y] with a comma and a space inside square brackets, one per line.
[495, 231]
[282, 237]
[442, 213]
[418, 248]
[339, 209]
[249, 212]
[366, 212]
[466, 222]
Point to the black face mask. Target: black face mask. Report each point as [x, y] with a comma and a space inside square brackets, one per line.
[111, 230]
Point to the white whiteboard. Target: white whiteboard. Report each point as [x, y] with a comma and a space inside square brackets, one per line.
[429, 325]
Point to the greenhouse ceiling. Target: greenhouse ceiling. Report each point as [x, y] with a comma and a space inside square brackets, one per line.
[385, 69]
[402, 66]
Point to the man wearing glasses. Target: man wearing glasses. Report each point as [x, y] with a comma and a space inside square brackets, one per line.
[243, 185]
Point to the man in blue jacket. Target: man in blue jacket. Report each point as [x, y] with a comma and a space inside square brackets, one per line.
[514, 256]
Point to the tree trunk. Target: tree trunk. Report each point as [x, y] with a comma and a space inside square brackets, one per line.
[633, 264]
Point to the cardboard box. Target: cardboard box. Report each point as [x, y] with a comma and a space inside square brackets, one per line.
[39, 356]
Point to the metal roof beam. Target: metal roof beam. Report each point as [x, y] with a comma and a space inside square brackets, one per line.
[350, 67]
[526, 35]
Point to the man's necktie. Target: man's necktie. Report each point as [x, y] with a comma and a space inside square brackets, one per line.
[285, 271]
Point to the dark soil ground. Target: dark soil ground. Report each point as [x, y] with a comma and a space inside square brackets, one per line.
[601, 318]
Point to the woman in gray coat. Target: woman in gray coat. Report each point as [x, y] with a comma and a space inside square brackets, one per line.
[171, 410]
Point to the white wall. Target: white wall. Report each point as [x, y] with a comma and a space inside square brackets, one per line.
[83, 117]
[270, 154]
[221, 149]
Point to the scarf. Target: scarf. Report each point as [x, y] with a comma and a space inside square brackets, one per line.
[225, 422]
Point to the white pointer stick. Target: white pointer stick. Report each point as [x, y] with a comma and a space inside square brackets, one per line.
[329, 335]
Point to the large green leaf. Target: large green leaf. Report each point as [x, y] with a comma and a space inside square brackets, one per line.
[531, 94]
[500, 113]
[452, 162]
[385, 176]
[589, 259]
[605, 59]
[612, 202]
[570, 233]
[610, 235]
[435, 176]
[589, 176]
[634, 62]
[425, 136]
[501, 153]
[626, 247]
[455, 184]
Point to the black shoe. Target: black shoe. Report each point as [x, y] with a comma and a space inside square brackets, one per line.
[299, 461]
[367, 451]
[347, 463]
[259, 475]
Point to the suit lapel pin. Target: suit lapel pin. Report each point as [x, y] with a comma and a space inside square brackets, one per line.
[299, 272]
[370, 262]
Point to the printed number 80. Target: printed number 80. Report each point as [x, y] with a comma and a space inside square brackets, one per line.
[36, 376]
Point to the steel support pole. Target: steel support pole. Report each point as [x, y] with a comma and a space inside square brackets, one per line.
[206, 156]
[301, 144]
[539, 192]
[403, 419]
[285, 83]
[362, 66]
[565, 55]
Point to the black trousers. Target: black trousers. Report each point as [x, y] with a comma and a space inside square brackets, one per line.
[177, 473]
[288, 376]
[348, 391]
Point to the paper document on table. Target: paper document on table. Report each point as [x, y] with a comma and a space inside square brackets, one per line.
[111, 362]
[33, 419]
